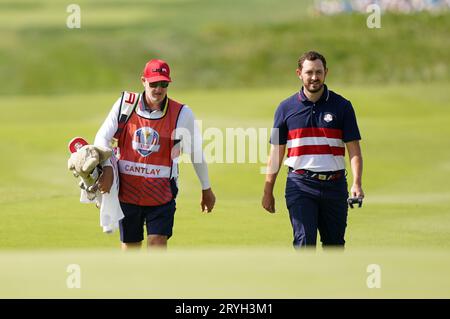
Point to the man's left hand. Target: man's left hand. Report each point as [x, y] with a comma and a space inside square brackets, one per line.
[356, 191]
[208, 200]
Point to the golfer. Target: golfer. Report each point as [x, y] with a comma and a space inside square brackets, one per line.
[315, 125]
[150, 131]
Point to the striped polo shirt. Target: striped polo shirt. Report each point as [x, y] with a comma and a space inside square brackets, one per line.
[315, 133]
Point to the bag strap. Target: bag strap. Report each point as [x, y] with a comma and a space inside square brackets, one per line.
[128, 103]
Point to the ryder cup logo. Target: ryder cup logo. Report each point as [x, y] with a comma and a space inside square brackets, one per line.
[328, 117]
[146, 141]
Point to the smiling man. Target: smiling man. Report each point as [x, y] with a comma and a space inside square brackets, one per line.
[315, 125]
[150, 131]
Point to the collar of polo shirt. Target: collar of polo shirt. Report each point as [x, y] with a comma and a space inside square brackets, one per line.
[147, 108]
[324, 97]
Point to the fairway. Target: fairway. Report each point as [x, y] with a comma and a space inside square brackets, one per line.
[232, 273]
[232, 62]
[239, 250]
[405, 151]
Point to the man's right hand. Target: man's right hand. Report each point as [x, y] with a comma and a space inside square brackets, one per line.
[273, 166]
[105, 180]
[268, 202]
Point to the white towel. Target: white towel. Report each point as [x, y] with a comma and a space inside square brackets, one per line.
[110, 210]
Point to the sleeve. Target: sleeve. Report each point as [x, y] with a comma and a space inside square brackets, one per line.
[350, 125]
[188, 133]
[279, 132]
[108, 129]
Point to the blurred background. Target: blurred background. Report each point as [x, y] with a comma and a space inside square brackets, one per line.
[232, 62]
[218, 44]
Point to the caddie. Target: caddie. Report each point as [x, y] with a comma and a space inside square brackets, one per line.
[315, 126]
[150, 130]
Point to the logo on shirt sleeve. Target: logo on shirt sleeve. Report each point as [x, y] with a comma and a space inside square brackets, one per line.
[145, 141]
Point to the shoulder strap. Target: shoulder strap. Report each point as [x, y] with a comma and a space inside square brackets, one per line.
[127, 105]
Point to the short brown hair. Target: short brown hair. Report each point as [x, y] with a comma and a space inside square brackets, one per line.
[311, 56]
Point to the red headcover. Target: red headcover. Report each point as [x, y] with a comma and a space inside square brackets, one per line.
[76, 143]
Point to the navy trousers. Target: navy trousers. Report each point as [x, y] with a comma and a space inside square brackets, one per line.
[317, 205]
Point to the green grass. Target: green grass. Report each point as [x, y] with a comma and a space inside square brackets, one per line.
[406, 159]
[232, 62]
[234, 273]
[209, 43]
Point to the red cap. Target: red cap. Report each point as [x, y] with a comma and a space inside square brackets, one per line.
[157, 70]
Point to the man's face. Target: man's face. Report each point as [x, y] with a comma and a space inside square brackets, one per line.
[312, 75]
[155, 91]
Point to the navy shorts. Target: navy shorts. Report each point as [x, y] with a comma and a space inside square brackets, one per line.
[158, 221]
[316, 205]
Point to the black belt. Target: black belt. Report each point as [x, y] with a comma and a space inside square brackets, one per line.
[322, 176]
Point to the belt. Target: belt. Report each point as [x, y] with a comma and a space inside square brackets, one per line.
[322, 176]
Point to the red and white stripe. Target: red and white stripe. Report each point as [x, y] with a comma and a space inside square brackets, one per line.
[317, 149]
